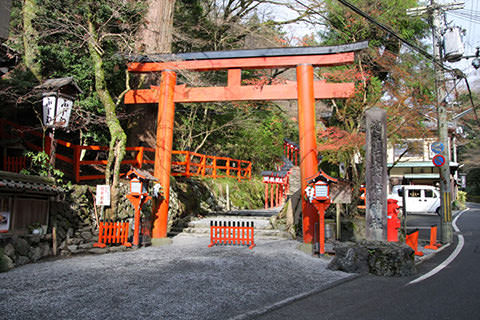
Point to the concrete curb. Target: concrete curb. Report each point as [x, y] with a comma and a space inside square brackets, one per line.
[287, 301]
[431, 255]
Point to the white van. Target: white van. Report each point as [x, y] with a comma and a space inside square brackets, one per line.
[418, 198]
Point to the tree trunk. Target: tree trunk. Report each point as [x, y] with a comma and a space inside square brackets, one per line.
[118, 137]
[30, 38]
[156, 35]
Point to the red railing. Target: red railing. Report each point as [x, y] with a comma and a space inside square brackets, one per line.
[13, 164]
[187, 163]
[184, 163]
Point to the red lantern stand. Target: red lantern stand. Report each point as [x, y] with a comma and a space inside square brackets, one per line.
[317, 193]
[138, 196]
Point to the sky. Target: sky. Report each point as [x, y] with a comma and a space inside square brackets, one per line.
[467, 18]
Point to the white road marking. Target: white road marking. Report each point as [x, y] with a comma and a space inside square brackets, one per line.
[452, 256]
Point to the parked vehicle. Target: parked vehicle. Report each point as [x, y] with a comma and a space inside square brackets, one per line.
[420, 199]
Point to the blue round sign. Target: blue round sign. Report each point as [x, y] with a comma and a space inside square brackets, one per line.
[437, 147]
[438, 160]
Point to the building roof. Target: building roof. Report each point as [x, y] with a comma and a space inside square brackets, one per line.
[421, 176]
[20, 183]
[418, 164]
[59, 83]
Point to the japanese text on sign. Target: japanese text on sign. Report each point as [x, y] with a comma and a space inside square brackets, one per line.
[103, 195]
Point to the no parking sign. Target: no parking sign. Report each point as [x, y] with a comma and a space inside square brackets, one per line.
[438, 160]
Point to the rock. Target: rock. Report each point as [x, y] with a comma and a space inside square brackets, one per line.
[72, 248]
[6, 263]
[375, 257]
[390, 259]
[34, 239]
[117, 249]
[98, 250]
[350, 257]
[21, 260]
[45, 249]
[87, 245]
[35, 254]
[9, 250]
[87, 235]
[22, 247]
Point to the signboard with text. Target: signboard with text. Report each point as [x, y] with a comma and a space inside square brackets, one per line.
[4, 221]
[103, 195]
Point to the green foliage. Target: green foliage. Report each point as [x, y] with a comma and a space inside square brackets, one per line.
[346, 26]
[461, 200]
[244, 194]
[41, 166]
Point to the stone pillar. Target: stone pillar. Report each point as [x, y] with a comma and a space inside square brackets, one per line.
[376, 174]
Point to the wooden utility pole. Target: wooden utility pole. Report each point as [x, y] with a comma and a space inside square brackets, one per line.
[436, 12]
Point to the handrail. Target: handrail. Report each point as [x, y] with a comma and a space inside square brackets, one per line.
[184, 163]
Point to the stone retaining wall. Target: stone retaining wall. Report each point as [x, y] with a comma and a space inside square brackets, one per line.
[75, 222]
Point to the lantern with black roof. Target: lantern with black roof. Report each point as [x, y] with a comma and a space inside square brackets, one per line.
[138, 195]
[317, 193]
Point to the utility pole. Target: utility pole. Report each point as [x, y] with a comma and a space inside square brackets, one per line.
[436, 12]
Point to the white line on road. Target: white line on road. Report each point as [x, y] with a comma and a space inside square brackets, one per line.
[452, 256]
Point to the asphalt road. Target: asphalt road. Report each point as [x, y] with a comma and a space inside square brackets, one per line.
[452, 293]
[423, 223]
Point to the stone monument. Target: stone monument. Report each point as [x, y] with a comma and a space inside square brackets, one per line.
[376, 174]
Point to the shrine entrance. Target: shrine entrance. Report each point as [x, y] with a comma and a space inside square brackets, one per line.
[305, 90]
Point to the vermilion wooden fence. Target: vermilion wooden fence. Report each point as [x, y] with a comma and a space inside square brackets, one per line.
[184, 163]
[13, 164]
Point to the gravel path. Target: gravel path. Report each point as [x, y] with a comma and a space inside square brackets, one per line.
[185, 280]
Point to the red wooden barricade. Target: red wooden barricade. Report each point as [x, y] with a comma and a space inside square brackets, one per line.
[434, 245]
[232, 233]
[110, 232]
[412, 241]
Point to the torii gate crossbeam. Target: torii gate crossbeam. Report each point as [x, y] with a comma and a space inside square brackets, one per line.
[305, 89]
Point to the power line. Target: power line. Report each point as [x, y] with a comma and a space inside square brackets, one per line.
[394, 34]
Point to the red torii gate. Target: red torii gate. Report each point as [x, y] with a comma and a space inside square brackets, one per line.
[305, 89]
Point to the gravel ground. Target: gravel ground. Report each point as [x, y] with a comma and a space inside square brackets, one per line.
[185, 280]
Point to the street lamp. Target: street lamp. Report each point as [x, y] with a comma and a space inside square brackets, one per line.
[58, 96]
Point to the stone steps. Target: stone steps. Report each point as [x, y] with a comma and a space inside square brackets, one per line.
[263, 229]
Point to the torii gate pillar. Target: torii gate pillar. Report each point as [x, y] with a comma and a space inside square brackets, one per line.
[163, 152]
[308, 144]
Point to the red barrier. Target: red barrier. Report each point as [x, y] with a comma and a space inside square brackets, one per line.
[232, 233]
[433, 239]
[184, 163]
[112, 233]
[14, 164]
[412, 241]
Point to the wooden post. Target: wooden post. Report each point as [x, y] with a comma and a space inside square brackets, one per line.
[338, 221]
[271, 195]
[76, 163]
[54, 240]
[187, 166]
[139, 157]
[308, 144]
[376, 174]
[266, 195]
[163, 151]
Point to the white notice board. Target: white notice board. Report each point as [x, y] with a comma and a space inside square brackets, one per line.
[103, 195]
